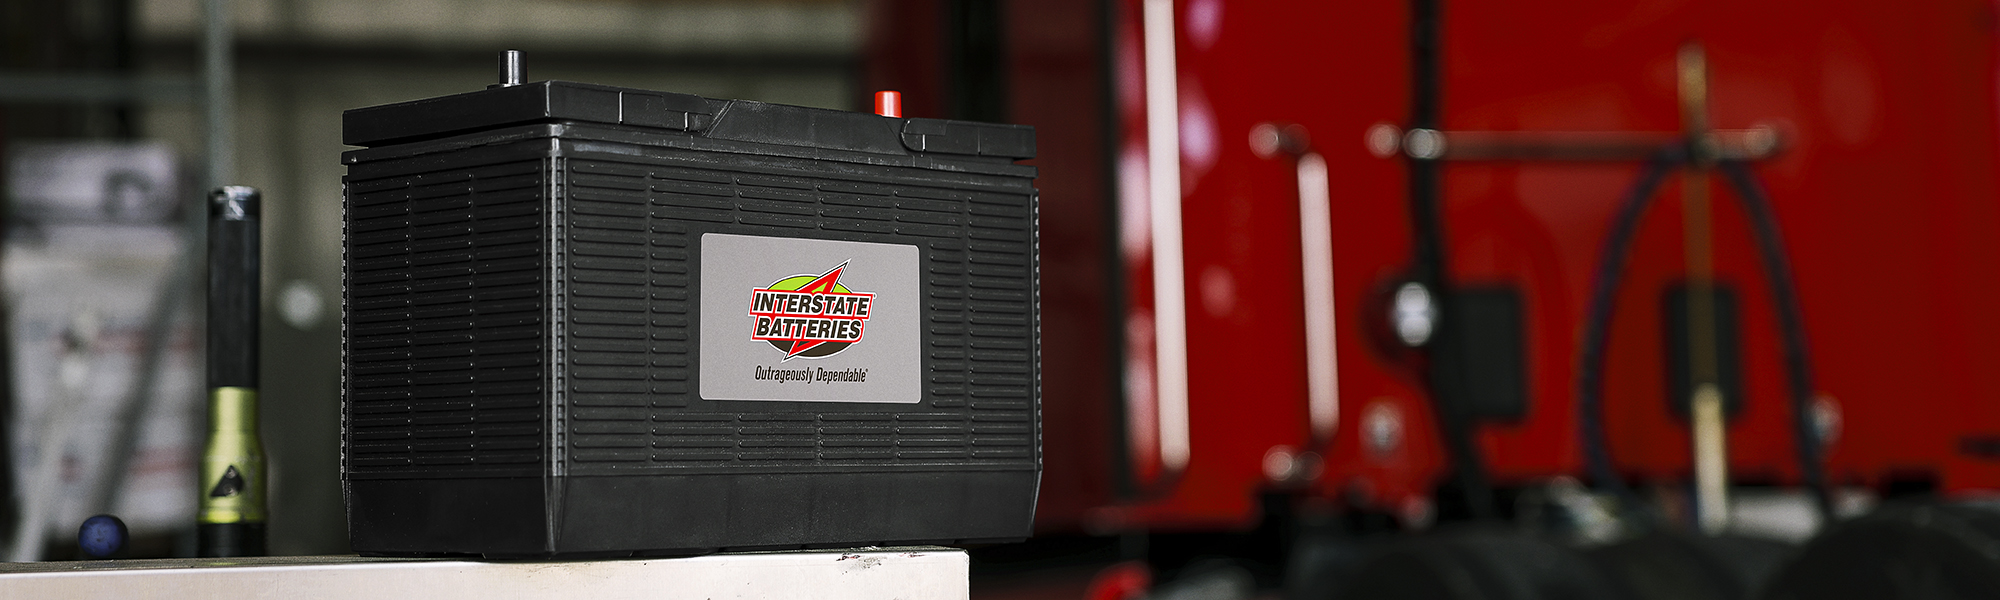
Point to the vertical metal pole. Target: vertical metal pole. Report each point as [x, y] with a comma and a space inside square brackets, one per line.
[1446, 374]
[218, 93]
[1707, 423]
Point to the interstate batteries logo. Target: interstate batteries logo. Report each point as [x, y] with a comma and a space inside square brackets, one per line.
[810, 316]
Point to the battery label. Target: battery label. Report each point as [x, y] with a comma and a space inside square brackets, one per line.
[809, 320]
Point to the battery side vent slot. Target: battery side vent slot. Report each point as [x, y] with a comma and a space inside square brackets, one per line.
[445, 315]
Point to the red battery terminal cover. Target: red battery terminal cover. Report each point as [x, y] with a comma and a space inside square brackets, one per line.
[889, 103]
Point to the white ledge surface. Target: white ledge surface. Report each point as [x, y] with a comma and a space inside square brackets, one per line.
[916, 573]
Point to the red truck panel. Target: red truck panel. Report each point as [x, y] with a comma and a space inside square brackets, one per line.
[1886, 195]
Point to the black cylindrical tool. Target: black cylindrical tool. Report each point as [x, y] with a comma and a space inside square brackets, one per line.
[232, 468]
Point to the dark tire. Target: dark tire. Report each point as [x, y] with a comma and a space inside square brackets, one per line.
[1676, 567]
[1319, 563]
[1476, 565]
[1907, 552]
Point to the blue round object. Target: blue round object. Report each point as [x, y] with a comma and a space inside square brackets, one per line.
[102, 536]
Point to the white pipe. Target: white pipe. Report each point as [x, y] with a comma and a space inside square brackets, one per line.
[1163, 172]
[1711, 459]
[1316, 247]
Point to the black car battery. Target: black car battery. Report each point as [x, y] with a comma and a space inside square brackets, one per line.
[591, 320]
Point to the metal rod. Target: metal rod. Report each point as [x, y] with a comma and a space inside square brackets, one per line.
[1707, 423]
[218, 79]
[1583, 146]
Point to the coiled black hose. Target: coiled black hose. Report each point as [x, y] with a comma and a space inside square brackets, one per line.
[1784, 293]
[1597, 324]
[1791, 325]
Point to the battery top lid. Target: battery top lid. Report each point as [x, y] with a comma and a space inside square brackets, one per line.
[738, 120]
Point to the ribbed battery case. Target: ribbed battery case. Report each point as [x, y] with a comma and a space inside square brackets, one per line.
[587, 320]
